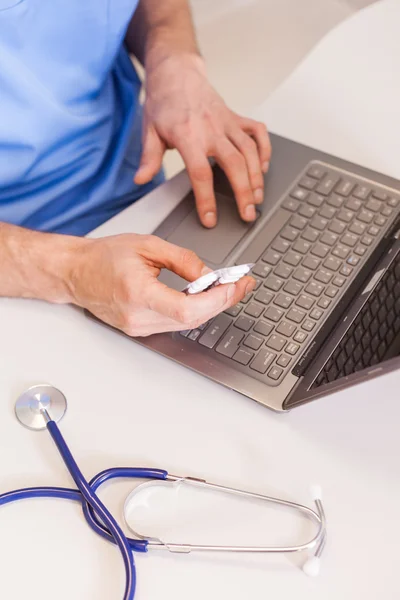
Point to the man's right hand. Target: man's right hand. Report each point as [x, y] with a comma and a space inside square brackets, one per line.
[115, 278]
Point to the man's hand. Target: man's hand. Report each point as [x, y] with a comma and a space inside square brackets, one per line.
[115, 278]
[183, 111]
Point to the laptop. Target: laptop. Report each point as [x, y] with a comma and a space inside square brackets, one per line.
[325, 313]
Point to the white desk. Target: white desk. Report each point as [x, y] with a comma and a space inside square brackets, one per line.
[128, 406]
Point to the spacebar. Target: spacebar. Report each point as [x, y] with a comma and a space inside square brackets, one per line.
[264, 238]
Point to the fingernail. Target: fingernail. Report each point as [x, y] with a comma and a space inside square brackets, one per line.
[250, 286]
[250, 212]
[265, 166]
[259, 195]
[205, 270]
[210, 219]
[231, 291]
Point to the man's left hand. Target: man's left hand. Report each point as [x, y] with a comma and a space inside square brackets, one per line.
[183, 111]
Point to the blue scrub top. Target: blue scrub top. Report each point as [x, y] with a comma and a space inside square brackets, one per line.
[70, 119]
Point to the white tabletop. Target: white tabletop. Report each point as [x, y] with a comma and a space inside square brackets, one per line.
[128, 406]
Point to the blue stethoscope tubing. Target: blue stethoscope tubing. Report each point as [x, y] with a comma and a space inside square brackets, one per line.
[93, 507]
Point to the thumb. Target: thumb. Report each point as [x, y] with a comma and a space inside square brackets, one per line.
[152, 155]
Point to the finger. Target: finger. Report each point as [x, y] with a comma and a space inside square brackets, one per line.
[201, 177]
[260, 133]
[152, 156]
[190, 311]
[248, 147]
[235, 167]
[181, 261]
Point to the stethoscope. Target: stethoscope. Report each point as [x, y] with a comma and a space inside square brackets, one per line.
[42, 406]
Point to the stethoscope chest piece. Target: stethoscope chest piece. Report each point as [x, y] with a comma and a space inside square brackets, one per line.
[39, 400]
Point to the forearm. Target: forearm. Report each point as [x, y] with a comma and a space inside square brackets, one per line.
[36, 265]
[160, 29]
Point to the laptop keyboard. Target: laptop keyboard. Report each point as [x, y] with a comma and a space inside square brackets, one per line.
[328, 226]
[373, 335]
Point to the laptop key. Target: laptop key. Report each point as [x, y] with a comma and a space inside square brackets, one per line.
[357, 227]
[331, 291]
[300, 337]
[316, 171]
[263, 328]
[337, 227]
[302, 246]
[341, 251]
[324, 302]
[215, 331]
[263, 296]
[283, 300]
[346, 270]
[296, 315]
[243, 323]
[284, 361]
[327, 184]
[291, 204]
[293, 288]
[361, 192]
[274, 314]
[302, 275]
[323, 276]
[311, 263]
[299, 194]
[298, 222]
[329, 238]
[327, 212]
[373, 230]
[319, 223]
[280, 245]
[286, 328]
[367, 240]
[380, 220]
[311, 235]
[271, 257]
[374, 205]
[344, 187]
[233, 311]
[283, 271]
[354, 204]
[320, 250]
[366, 216]
[307, 183]
[292, 348]
[230, 343]
[276, 342]
[261, 270]
[314, 288]
[304, 302]
[332, 263]
[275, 373]
[253, 341]
[308, 325]
[243, 356]
[290, 233]
[346, 215]
[254, 310]
[308, 211]
[292, 258]
[380, 195]
[263, 361]
[349, 239]
[273, 283]
[336, 201]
